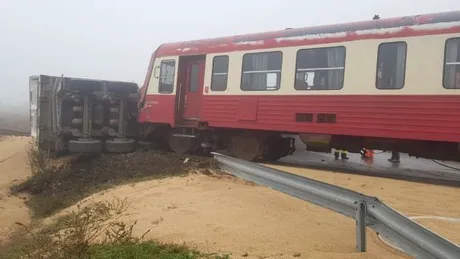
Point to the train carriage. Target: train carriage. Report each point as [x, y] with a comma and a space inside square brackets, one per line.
[391, 84]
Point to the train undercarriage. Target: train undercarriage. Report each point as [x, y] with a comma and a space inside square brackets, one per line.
[272, 146]
[247, 145]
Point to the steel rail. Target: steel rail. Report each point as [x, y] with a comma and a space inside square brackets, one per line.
[368, 211]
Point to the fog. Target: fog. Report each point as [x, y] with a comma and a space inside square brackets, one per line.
[113, 39]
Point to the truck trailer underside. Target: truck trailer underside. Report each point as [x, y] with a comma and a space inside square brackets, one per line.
[83, 115]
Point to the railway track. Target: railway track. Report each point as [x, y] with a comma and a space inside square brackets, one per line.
[6, 132]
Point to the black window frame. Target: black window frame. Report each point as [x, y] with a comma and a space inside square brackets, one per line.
[160, 77]
[226, 74]
[405, 65]
[321, 48]
[445, 63]
[261, 90]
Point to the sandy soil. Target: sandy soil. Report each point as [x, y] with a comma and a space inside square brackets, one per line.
[13, 168]
[231, 216]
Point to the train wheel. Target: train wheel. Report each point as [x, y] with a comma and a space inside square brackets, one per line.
[247, 147]
[272, 157]
[276, 147]
[159, 138]
[181, 144]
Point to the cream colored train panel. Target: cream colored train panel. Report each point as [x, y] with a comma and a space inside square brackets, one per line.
[423, 71]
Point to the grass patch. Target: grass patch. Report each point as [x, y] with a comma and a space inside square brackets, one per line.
[95, 231]
[55, 185]
[147, 250]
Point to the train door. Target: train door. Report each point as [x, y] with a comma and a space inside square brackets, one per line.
[191, 87]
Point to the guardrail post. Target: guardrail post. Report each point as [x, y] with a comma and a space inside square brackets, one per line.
[360, 226]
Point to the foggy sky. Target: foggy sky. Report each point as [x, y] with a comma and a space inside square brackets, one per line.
[113, 40]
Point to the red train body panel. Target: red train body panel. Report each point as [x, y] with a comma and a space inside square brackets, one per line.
[158, 109]
[402, 117]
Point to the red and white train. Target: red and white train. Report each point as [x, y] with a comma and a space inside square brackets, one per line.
[389, 84]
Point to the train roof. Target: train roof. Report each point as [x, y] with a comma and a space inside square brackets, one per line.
[435, 23]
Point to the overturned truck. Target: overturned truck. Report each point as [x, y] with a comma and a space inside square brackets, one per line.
[83, 115]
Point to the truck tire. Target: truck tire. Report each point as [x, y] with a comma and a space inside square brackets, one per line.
[85, 146]
[120, 145]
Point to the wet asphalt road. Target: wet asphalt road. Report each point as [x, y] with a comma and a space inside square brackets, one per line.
[410, 168]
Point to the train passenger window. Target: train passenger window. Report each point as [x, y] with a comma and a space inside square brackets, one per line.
[219, 73]
[261, 71]
[320, 69]
[167, 70]
[391, 65]
[194, 78]
[452, 64]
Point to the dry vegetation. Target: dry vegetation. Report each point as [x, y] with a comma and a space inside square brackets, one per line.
[98, 230]
[56, 185]
[94, 231]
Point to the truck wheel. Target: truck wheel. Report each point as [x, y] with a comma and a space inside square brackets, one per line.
[85, 146]
[120, 145]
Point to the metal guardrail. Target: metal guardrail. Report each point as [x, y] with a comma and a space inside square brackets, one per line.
[368, 211]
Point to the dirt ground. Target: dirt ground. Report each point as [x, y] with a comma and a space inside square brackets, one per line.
[439, 205]
[226, 215]
[222, 214]
[13, 168]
